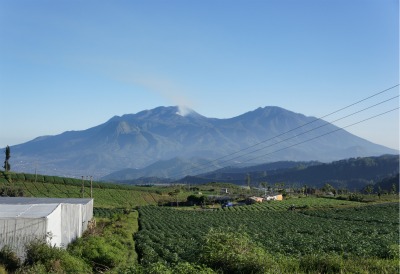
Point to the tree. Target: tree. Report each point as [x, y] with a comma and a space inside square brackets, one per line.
[7, 165]
[328, 188]
[195, 200]
[394, 188]
[248, 180]
[369, 188]
[265, 185]
[175, 194]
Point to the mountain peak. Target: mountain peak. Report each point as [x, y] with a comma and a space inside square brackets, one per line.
[160, 113]
[138, 140]
[167, 111]
[272, 111]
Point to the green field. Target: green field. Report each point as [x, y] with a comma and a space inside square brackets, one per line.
[105, 195]
[135, 235]
[366, 231]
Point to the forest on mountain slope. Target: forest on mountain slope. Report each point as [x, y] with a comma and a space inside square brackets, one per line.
[351, 174]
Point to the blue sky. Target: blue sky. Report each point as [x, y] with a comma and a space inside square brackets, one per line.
[71, 65]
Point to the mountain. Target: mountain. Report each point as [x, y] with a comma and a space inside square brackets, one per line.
[163, 170]
[138, 140]
[168, 171]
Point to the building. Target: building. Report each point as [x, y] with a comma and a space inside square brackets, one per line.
[56, 220]
[254, 199]
[278, 197]
[224, 191]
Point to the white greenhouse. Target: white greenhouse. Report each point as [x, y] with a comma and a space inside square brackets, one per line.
[58, 221]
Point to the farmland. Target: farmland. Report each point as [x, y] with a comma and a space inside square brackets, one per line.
[365, 231]
[350, 234]
[106, 195]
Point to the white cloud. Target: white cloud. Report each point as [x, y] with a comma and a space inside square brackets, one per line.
[166, 88]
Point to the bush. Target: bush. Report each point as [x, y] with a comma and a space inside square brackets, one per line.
[30, 177]
[8, 177]
[321, 263]
[33, 269]
[393, 252]
[356, 197]
[9, 259]
[58, 180]
[53, 259]
[97, 252]
[234, 252]
[20, 176]
[195, 200]
[11, 192]
[161, 268]
[48, 179]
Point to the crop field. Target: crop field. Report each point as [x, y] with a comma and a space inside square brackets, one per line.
[298, 235]
[105, 195]
[325, 226]
[306, 203]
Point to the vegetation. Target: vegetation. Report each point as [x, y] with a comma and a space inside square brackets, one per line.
[107, 247]
[42, 258]
[110, 245]
[387, 185]
[328, 230]
[233, 251]
[106, 195]
[350, 174]
[7, 165]
[9, 260]
[348, 233]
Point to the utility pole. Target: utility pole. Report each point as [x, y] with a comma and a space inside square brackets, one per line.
[83, 184]
[91, 187]
[35, 171]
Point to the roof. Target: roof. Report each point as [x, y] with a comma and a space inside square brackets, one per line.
[29, 207]
[32, 200]
[255, 198]
[26, 210]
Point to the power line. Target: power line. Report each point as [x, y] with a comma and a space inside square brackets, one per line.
[287, 139]
[308, 131]
[330, 132]
[281, 134]
[313, 121]
[319, 136]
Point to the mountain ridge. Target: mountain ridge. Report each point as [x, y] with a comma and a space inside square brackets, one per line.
[141, 139]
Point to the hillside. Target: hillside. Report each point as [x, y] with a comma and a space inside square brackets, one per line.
[164, 171]
[138, 140]
[388, 184]
[105, 195]
[352, 174]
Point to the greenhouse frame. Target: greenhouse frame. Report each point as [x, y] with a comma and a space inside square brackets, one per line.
[57, 221]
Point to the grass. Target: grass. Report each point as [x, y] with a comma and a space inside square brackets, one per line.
[105, 195]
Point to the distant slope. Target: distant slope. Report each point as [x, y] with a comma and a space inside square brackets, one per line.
[353, 174]
[139, 140]
[168, 169]
[105, 195]
[388, 184]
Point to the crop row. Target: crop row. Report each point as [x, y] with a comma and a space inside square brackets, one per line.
[106, 212]
[299, 203]
[173, 235]
[382, 214]
[103, 197]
